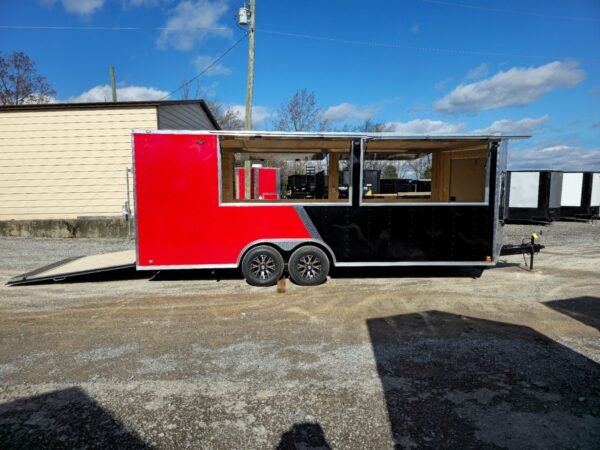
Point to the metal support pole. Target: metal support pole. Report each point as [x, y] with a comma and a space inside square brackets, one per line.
[532, 252]
[113, 83]
[127, 203]
[250, 84]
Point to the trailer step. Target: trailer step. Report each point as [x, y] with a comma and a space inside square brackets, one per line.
[79, 266]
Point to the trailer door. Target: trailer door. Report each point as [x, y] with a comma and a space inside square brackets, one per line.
[501, 206]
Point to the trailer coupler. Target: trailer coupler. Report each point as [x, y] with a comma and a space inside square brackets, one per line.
[524, 248]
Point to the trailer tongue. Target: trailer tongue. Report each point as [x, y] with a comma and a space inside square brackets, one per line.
[79, 266]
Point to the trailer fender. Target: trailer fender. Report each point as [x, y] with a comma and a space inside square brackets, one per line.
[287, 246]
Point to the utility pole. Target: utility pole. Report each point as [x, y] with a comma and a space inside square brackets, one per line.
[250, 84]
[113, 83]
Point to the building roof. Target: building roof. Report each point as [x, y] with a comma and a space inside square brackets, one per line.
[96, 105]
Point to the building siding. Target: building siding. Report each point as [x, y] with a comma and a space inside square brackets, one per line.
[183, 117]
[67, 163]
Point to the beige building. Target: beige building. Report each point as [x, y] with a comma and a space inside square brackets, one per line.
[64, 161]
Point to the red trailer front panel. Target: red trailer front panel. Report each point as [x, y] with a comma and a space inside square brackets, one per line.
[179, 219]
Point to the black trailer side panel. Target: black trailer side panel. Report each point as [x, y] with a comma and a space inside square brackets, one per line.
[556, 179]
[409, 233]
[406, 233]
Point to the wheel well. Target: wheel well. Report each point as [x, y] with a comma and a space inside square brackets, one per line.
[287, 253]
[314, 244]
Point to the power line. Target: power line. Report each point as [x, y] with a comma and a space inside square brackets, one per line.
[312, 37]
[409, 47]
[510, 11]
[77, 28]
[207, 68]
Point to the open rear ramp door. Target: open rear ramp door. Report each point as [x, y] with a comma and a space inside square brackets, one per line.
[79, 266]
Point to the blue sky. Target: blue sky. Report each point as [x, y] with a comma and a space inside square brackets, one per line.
[424, 66]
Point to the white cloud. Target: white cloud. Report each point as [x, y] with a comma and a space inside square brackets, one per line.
[143, 3]
[478, 72]
[425, 127]
[442, 84]
[506, 126]
[559, 157]
[81, 7]
[348, 111]
[103, 93]
[203, 61]
[192, 22]
[517, 86]
[259, 114]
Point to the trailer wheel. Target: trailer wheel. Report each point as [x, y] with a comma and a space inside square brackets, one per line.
[262, 266]
[308, 266]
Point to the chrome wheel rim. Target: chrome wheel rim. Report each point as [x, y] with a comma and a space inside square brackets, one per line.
[309, 267]
[262, 266]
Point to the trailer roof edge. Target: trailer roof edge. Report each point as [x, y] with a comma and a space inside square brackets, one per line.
[331, 134]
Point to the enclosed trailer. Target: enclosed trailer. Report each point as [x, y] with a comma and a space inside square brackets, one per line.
[533, 195]
[580, 197]
[188, 216]
[190, 213]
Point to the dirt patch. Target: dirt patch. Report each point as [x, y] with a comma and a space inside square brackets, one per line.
[499, 359]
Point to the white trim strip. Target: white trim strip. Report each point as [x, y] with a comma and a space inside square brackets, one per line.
[341, 135]
[414, 263]
[188, 266]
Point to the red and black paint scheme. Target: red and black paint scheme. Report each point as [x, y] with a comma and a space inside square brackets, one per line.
[182, 222]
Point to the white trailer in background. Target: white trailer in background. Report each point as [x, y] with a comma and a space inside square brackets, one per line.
[580, 197]
[533, 196]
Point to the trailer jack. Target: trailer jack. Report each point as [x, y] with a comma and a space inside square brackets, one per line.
[524, 248]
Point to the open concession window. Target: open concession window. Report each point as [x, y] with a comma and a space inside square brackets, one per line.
[413, 171]
[272, 169]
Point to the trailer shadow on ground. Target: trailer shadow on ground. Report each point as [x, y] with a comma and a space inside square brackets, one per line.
[452, 381]
[304, 435]
[583, 309]
[66, 418]
[407, 272]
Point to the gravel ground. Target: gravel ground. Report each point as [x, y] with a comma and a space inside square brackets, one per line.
[505, 358]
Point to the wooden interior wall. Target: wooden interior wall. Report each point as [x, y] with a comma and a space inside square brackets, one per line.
[227, 176]
[334, 176]
[441, 168]
[467, 179]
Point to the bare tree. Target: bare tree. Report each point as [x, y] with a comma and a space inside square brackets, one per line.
[20, 82]
[227, 117]
[369, 126]
[389, 171]
[422, 166]
[300, 113]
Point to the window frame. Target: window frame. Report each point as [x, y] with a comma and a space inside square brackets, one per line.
[267, 202]
[367, 203]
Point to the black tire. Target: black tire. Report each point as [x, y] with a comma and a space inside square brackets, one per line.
[262, 266]
[308, 266]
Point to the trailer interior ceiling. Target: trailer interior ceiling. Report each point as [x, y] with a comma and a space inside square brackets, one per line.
[317, 169]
